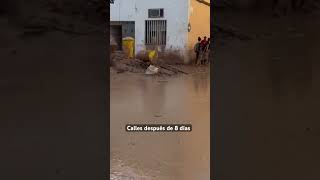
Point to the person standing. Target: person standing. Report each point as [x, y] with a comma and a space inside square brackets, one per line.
[203, 45]
[207, 51]
[208, 43]
[197, 49]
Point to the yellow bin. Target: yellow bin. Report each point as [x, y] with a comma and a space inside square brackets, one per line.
[152, 54]
[128, 44]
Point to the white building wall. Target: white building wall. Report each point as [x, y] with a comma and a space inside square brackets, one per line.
[175, 12]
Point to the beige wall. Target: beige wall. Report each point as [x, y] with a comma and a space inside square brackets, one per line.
[200, 23]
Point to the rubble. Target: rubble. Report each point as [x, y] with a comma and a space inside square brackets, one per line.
[151, 70]
[120, 63]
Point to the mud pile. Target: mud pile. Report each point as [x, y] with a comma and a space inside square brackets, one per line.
[167, 57]
[120, 63]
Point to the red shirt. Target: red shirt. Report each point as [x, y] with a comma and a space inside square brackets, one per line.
[203, 44]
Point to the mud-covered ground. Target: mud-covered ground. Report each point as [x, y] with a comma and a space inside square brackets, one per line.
[167, 65]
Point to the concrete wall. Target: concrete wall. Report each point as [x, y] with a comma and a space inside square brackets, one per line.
[200, 23]
[175, 12]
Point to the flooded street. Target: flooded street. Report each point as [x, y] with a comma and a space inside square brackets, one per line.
[140, 99]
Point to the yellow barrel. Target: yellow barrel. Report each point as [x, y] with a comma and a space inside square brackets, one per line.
[128, 44]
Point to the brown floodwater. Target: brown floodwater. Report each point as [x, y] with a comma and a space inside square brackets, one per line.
[140, 99]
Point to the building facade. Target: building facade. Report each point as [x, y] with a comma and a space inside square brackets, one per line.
[168, 25]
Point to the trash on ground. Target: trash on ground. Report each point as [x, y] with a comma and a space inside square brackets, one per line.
[152, 70]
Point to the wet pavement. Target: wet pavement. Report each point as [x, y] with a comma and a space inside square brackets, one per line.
[138, 99]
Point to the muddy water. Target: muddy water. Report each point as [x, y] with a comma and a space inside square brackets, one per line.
[164, 156]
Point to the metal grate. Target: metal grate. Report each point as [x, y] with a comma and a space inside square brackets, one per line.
[156, 32]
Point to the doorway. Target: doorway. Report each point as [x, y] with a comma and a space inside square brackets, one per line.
[116, 35]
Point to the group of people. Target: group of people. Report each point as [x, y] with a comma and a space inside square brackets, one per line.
[202, 49]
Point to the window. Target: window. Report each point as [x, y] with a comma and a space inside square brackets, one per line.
[155, 13]
[156, 32]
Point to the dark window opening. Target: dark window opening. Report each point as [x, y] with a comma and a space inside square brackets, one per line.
[155, 13]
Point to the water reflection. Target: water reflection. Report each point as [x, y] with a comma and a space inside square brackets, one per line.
[140, 99]
[152, 92]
